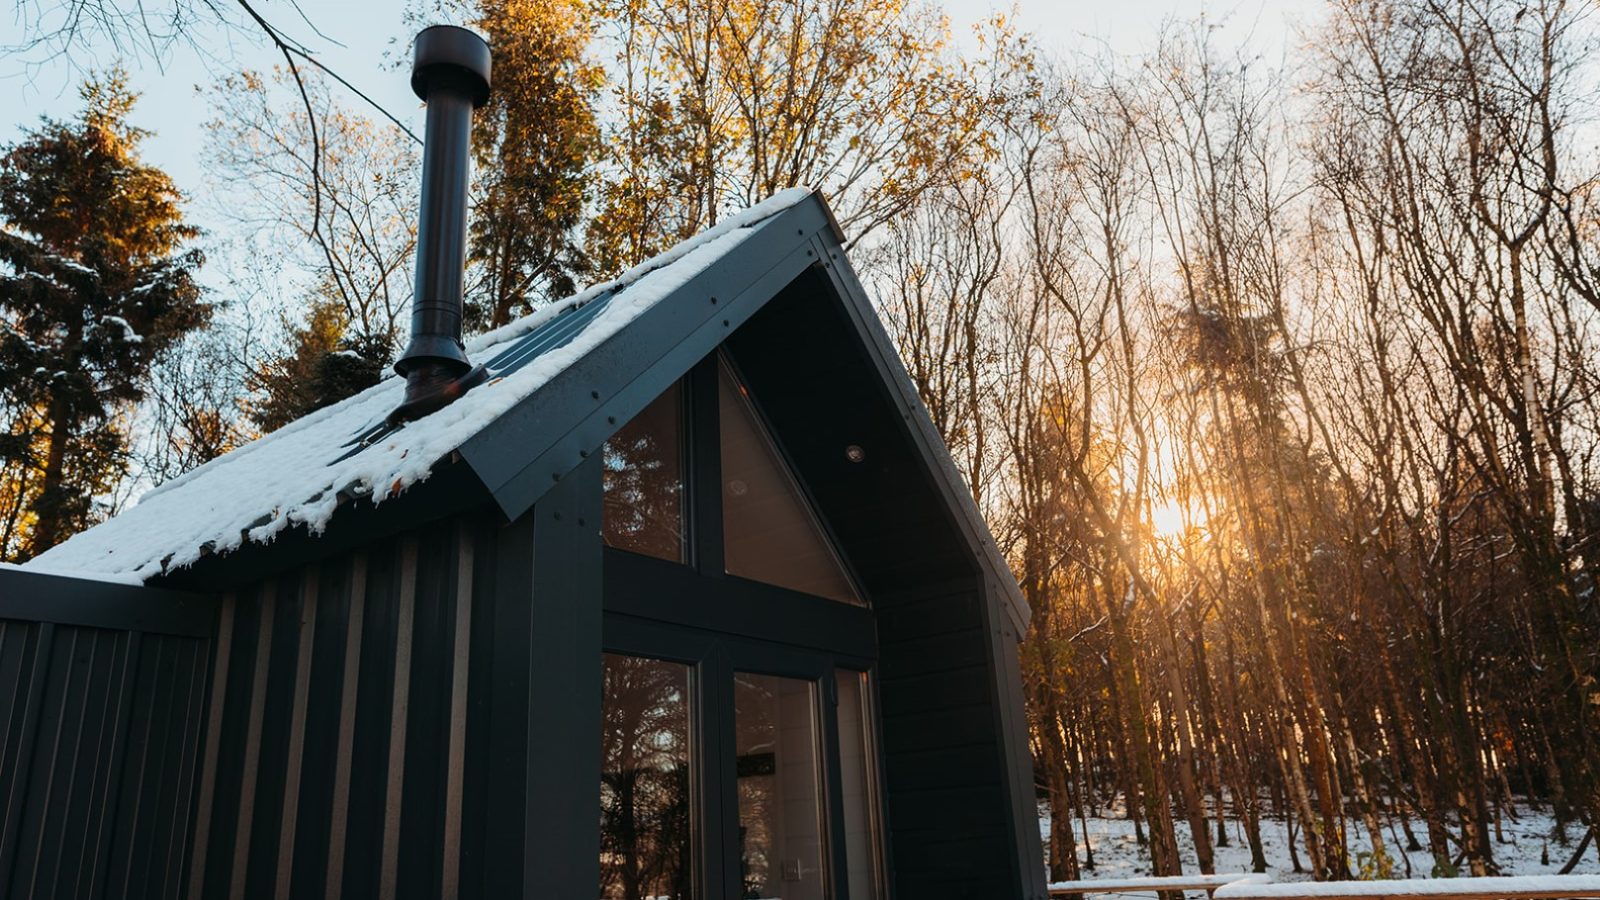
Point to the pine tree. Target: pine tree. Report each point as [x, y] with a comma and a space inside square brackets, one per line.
[98, 279]
[325, 361]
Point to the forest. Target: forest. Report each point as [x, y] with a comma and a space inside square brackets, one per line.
[1276, 378]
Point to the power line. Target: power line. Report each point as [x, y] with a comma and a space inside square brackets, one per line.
[291, 48]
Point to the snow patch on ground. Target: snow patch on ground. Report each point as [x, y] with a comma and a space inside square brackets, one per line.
[290, 477]
[1574, 885]
[1117, 853]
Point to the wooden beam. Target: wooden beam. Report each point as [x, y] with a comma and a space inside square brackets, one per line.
[1259, 887]
[1490, 888]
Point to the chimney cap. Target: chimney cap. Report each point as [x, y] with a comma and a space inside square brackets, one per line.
[448, 52]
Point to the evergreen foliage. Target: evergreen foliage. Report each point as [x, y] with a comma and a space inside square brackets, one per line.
[98, 280]
[325, 361]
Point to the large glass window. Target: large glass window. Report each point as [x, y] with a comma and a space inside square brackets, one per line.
[781, 849]
[769, 531]
[646, 841]
[644, 481]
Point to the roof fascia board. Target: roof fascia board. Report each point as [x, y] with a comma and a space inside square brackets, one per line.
[451, 489]
[952, 486]
[531, 447]
[65, 600]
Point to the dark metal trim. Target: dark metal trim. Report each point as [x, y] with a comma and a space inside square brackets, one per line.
[523, 453]
[703, 487]
[1011, 734]
[62, 600]
[563, 649]
[920, 428]
[646, 588]
[837, 850]
[880, 791]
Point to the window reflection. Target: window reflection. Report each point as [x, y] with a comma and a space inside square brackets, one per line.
[645, 828]
[779, 784]
[769, 531]
[644, 481]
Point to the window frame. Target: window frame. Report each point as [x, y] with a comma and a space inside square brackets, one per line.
[768, 439]
[701, 501]
[698, 614]
[713, 660]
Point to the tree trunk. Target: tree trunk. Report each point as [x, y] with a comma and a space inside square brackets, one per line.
[49, 528]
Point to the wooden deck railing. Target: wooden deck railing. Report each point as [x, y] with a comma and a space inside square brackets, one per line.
[1260, 887]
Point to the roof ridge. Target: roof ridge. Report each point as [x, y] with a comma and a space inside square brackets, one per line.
[745, 218]
[283, 479]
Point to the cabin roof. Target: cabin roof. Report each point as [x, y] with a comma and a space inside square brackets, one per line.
[562, 379]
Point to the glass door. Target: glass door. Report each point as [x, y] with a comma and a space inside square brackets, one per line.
[742, 771]
[780, 788]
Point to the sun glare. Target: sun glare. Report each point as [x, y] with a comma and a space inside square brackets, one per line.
[1169, 519]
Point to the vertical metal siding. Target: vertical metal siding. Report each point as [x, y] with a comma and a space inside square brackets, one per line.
[338, 759]
[399, 707]
[151, 814]
[99, 731]
[336, 731]
[450, 852]
[353, 601]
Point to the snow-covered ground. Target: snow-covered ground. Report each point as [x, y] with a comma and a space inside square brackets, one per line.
[1118, 855]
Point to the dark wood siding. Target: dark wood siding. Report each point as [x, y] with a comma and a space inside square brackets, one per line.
[358, 696]
[945, 779]
[99, 729]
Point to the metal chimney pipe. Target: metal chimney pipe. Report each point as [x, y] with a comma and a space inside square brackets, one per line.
[450, 72]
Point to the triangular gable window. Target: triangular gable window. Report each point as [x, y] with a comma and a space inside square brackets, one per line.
[770, 532]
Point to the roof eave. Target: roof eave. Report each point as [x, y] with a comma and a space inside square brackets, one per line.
[530, 448]
[451, 488]
[953, 488]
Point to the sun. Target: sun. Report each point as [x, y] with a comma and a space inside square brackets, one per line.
[1170, 519]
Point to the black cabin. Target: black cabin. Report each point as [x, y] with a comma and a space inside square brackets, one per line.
[671, 591]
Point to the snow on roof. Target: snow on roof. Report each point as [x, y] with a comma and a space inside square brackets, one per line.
[294, 476]
[51, 570]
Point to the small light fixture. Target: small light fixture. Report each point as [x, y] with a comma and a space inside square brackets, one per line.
[855, 454]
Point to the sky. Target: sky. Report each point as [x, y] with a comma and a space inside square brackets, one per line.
[362, 41]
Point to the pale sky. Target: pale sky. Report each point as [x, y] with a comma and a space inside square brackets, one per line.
[360, 41]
